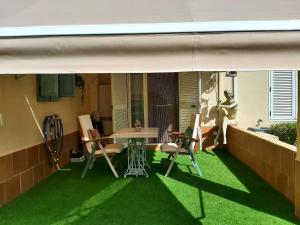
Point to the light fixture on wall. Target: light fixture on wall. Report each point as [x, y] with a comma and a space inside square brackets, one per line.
[233, 75]
[230, 73]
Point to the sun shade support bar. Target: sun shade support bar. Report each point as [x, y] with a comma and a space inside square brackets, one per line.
[151, 28]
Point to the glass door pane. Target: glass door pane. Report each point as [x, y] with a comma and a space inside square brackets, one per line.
[137, 98]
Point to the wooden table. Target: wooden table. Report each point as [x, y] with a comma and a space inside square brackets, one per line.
[136, 148]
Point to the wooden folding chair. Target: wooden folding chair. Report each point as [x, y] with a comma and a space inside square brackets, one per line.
[93, 143]
[184, 144]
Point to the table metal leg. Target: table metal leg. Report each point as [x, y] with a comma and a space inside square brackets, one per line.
[144, 153]
[136, 157]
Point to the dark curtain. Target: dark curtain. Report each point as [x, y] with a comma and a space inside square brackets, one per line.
[163, 103]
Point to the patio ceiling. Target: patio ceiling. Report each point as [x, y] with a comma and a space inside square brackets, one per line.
[64, 36]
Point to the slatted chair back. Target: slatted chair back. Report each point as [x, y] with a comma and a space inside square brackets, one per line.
[86, 125]
[193, 130]
[185, 144]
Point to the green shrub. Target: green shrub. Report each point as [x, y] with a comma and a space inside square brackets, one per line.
[287, 132]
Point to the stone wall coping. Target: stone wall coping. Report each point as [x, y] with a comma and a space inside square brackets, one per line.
[270, 140]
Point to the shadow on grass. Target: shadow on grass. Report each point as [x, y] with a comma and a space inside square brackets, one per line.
[142, 201]
[262, 196]
[52, 199]
[65, 199]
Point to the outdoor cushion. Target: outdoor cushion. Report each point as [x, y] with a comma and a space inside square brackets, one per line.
[110, 149]
[91, 138]
[113, 149]
[172, 148]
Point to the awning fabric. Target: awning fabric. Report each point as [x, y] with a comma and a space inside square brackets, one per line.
[147, 51]
[151, 53]
[20, 13]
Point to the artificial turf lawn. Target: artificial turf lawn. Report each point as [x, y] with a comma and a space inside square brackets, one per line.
[228, 193]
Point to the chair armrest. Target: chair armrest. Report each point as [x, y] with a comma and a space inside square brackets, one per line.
[106, 135]
[181, 135]
[84, 140]
[187, 138]
[174, 134]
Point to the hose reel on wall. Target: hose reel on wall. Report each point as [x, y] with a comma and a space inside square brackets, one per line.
[53, 134]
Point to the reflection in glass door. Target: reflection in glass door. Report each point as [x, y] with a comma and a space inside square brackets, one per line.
[137, 98]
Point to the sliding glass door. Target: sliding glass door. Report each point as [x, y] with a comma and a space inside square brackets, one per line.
[137, 111]
[153, 99]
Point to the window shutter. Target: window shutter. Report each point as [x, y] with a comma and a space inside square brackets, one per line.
[66, 85]
[119, 103]
[283, 95]
[47, 87]
[188, 98]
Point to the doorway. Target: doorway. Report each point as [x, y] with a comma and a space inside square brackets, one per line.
[160, 100]
[163, 104]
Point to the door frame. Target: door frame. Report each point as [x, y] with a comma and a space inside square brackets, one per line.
[198, 104]
[146, 107]
[145, 98]
[145, 95]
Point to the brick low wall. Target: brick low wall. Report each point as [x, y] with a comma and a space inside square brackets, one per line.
[20, 171]
[272, 160]
[208, 137]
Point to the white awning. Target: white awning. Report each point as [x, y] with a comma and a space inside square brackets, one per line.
[151, 53]
[71, 17]
[66, 36]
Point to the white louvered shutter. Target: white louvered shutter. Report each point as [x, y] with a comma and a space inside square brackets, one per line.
[188, 98]
[283, 95]
[119, 101]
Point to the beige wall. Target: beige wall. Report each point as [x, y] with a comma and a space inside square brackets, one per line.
[272, 160]
[19, 129]
[92, 84]
[213, 85]
[91, 94]
[253, 97]
[209, 93]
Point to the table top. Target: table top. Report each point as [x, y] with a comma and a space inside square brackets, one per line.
[131, 133]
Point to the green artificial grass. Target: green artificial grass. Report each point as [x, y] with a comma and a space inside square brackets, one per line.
[228, 193]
